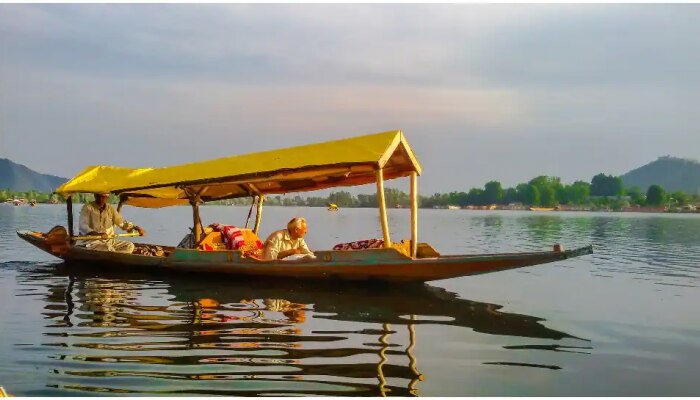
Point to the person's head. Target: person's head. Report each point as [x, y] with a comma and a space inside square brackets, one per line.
[101, 198]
[297, 227]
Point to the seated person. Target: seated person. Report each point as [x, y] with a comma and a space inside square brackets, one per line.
[98, 218]
[288, 243]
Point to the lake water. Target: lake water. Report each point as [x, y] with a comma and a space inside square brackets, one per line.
[623, 321]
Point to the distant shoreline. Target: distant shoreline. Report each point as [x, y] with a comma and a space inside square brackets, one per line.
[640, 210]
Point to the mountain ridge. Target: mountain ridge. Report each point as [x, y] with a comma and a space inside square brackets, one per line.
[674, 174]
[20, 178]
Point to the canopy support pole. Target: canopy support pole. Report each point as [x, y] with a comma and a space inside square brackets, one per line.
[69, 207]
[250, 211]
[196, 221]
[414, 214]
[258, 213]
[382, 207]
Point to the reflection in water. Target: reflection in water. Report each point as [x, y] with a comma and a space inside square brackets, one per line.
[139, 334]
[544, 228]
[135, 335]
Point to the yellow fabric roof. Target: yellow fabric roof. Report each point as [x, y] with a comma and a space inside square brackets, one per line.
[346, 162]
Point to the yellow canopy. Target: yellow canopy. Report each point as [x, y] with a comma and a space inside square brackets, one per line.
[346, 162]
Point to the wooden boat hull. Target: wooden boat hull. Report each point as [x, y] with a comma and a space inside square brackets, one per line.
[386, 264]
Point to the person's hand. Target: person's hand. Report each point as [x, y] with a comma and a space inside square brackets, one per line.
[104, 236]
[141, 231]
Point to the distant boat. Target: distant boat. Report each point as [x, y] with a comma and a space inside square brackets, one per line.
[453, 207]
[332, 207]
[542, 208]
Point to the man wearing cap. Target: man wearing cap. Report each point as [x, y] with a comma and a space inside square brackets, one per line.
[99, 218]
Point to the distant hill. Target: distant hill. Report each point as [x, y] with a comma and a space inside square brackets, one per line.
[671, 173]
[19, 178]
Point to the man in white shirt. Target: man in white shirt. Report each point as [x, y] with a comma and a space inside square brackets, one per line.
[99, 218]
[288, 244]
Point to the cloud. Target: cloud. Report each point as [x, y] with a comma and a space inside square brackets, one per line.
[483, 91]
[611, 45]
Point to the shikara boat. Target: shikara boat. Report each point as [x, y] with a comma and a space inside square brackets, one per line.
[349, 162]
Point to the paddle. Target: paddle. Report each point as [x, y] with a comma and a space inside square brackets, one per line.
[99, 237]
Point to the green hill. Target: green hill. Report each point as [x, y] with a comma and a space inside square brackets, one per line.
[673, 174]
[19, 178]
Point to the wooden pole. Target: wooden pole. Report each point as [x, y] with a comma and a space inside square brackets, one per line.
[197, 225]
[69, 207]
[250, 212]
[414, 214]
[382, 207]
[258, 214]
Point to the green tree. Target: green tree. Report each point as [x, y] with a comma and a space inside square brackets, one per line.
[579, 192]
[299, 201]
[680, 198]
[367, 200]
[493, 192]
[396, 197]
[656, 195]
[547, 196]
[342, 199]
[636, 195]
[510, 196]
[457, 198]
[475, 197]
[547, 187]
[528, 194]
[316, 201]
[607, 185]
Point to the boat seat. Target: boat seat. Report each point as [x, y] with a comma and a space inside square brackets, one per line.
[424, 250]
[360, 245]
[403, 247]
[214, 241]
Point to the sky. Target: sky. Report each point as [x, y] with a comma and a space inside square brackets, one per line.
[481, 91]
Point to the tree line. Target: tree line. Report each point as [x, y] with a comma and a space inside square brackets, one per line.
[544, 191]
[549, 191]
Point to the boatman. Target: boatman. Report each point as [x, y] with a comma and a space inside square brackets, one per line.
[99, 218]
[288, 244]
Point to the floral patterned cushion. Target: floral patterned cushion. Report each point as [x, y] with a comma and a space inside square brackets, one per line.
[360, 244]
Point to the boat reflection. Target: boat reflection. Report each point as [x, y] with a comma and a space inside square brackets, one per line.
[131, 334]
